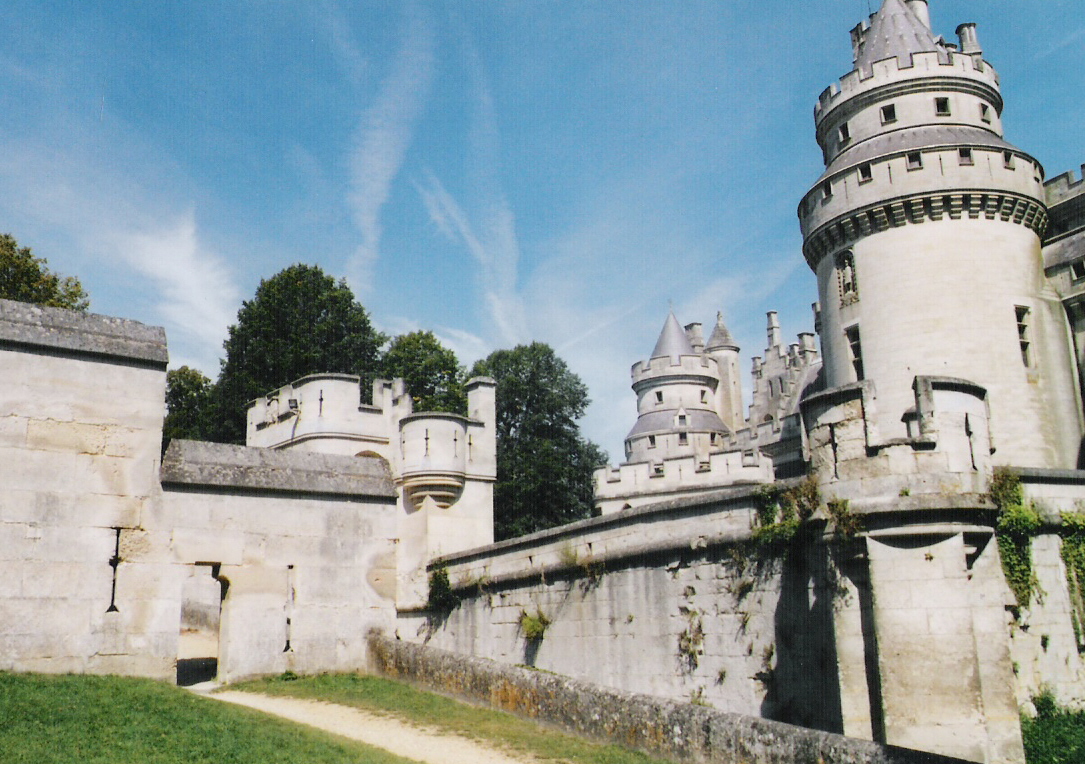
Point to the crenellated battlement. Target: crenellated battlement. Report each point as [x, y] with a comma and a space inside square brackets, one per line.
[697, 365]
[965, 68]
[635, 484]
[1065, 187]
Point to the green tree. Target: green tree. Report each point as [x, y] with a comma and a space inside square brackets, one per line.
[301, 321]
[544, 465]
[188, 396]
[26, 278]
[433, 375]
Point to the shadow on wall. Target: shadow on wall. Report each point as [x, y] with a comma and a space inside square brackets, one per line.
[803, 687]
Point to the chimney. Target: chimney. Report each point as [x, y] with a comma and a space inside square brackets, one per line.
[970, 43]
[774, 329]
[695, 336]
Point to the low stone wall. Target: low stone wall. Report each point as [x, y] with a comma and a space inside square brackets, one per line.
[682, 732]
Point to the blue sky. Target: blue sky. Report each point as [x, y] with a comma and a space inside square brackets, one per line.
[497, 172]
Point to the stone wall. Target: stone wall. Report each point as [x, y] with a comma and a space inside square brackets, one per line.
[674, 600]
[682, 732]
[272, 560]
[81, 406]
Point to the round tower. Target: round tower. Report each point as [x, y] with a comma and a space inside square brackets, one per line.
[676, 398]
[924, 232]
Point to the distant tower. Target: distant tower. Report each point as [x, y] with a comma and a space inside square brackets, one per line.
[723, 348]
[676, 399]
[924, 232]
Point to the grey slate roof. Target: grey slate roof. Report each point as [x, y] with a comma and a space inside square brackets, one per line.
[896, 32]
[721, 337]
[86, 334]
[222, 466]
[672, 341]
[663, 421]
[915, 138]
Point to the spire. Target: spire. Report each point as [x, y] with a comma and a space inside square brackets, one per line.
[895, 31]
[673, 341]
[721, 338]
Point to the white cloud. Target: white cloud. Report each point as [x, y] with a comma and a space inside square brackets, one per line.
[198, 296]
[382, 140]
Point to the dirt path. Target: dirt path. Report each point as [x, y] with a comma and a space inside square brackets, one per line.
[384, 732]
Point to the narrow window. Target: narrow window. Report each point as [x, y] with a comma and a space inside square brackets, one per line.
[659, 396]
[683, 439]
[827, 189]
[941, 107]
[915, 161]
[889, 114]
[651, 441]
[865, 173]
[657, 469]
[681, 420]
[845, 133]
[985, 113]
[712, 438]
[1007, 159]
[1023, 333]
[965, 156]
[1077, 270]
[704, 396]
[856, 349]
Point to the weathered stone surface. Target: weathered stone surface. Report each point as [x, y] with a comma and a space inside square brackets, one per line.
[679, 731]
[23, 324]
[193, 463]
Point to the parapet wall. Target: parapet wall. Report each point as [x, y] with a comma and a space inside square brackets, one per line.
[923, 66]
[681, 732]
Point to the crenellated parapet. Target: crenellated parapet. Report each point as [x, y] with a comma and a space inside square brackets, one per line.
[958, 71]
[1064, 188]
[635, 484]
[700, 369]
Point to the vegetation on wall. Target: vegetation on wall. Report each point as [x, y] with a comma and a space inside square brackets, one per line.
[781, 512]
[1016, 525]
[27, 278]
[533, 626]
[442, 598]
[1073, 556]
[1055, 735]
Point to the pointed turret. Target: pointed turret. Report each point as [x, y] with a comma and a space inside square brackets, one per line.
[721, 337]
[896, 31]
[672, 342]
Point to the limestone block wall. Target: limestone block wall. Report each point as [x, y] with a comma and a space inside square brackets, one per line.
[81, 407]
[304, 544]
[671, 600]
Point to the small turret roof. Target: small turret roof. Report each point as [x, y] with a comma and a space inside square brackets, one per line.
[672, 341]
[721, 337]
[895, 31]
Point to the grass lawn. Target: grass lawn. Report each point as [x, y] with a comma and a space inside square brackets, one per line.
[1055, 736]
[114, 720]
[496, 727]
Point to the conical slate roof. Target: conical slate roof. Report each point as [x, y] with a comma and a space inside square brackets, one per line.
[672, 341]
[895, 31]
[721, 337]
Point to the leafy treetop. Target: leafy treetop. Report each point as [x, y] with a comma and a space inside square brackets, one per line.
[544, 466]
[301, 321]
[433, 375]
[26, 278]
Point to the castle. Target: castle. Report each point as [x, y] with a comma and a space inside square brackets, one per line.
[951, 318]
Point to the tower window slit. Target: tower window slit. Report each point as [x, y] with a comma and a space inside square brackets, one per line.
[965, 156]
[941, 107]
[1023, 335]
[889, 114]
[866, 174]
[855, 348]
[915, 161]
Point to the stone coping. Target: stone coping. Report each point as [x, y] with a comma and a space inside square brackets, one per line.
[190, 463]
[87, 334]
[678, 731]
[704, 503]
